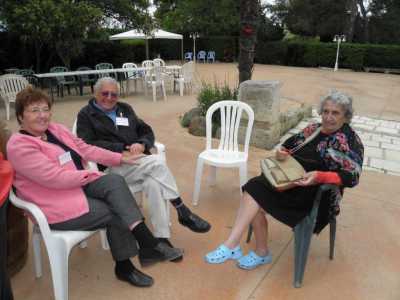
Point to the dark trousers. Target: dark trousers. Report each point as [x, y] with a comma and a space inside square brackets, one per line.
[5, 287]
[111, 206]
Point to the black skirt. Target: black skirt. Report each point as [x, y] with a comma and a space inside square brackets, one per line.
[288, 207]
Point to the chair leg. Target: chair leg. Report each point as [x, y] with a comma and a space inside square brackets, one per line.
[249, 234]
[37, 255]
[181, 87]
[302, 239]
[332, 236]
[197, 180]
[242, 176]
[212, 177]
[58, 258]
[163, 91]
[7, 110]
[104, 242]
[154, 87]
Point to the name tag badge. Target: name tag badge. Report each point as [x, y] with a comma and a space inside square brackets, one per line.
[64, 158]
[122, 121]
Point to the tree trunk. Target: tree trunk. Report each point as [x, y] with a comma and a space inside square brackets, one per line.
[249, 21]
[365, 20]
[38, 49]
[352, 12]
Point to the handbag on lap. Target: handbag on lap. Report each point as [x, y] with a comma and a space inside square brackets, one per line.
[281, 174]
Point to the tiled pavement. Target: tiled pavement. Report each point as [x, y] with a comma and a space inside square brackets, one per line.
[381, 139]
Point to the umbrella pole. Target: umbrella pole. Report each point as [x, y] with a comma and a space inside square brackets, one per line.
[147, 49]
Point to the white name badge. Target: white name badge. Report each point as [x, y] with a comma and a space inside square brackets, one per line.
[122, 121]
[64, 158]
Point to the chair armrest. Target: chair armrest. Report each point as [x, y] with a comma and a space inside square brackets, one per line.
[33, 210]
[160, 149]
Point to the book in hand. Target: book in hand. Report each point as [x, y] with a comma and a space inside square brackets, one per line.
[282, 174]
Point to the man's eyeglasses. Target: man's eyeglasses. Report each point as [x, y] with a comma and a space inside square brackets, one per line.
[37, 110]
[109, 94]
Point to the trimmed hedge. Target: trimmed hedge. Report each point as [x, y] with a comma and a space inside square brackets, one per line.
[316, 54]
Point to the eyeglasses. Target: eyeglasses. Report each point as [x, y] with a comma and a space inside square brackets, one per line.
[37, 110]
[107, 94]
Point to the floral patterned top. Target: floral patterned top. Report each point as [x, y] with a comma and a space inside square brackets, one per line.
[341, 151]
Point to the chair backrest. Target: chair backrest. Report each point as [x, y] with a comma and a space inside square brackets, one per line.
[147, 64]
[159, 62]
[157, 72]
[84, 77]
[11, 85]
[230, 113]
[25, 72]
[59, 69]
[201, 55]
[189, 55]
[211, 55]
[188, 71]
[104, 66]
[130, 74]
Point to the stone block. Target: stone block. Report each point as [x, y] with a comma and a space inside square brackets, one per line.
[373, 152]
[263, 97]
[198, 126]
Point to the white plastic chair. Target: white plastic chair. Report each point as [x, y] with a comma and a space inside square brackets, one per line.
[227, 155]
[158, 62]
[188, 56]
[58, 244]
[186, 79]
[130, 75]
[201, 56]
[148, 64]
[10, 86]
[211, 56]
[156, 80]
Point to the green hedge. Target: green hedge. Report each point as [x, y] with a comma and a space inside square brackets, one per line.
[316, 54]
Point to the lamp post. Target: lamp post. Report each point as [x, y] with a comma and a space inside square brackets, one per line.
[194, 36]
[338, 38]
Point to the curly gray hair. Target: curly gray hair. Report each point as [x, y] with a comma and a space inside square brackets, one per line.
[339, 98]
[104, 80]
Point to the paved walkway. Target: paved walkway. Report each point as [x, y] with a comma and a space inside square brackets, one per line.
[381, 141]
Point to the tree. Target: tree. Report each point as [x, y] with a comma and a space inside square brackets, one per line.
[249, 22]
[207, 17]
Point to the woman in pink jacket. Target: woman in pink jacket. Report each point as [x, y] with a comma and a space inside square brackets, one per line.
[49, 164]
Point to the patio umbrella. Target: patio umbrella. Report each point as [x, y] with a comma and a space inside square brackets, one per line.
[155, 34]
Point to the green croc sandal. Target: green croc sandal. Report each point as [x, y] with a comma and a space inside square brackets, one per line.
[222, 254]
[252, 261]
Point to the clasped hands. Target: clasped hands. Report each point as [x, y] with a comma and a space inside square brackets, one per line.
[309, 178]
[133, 153]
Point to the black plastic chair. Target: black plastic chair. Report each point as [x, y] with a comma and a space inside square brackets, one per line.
[304, 231]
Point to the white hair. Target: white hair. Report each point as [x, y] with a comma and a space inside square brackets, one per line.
[105, 80]
[339, 98]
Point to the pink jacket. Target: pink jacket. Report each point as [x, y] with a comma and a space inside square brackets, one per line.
[41, 179]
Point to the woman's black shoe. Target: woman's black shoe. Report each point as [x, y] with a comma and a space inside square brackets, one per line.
[161, 252]
[134, 277]
[194, 223]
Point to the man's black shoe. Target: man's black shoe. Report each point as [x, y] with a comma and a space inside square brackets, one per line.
[161, 252]
[194, 223]
[134, 277]
[166, 241]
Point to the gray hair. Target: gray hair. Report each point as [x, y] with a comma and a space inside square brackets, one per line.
[105, 80]
[339, 98]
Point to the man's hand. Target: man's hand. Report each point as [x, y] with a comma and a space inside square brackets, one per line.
[130, 158]
[136, 148]
[308, 179]
[281, 154]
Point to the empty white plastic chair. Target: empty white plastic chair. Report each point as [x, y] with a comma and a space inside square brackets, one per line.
[211, 56]
[186, 78]
[58, 244]
[130, 75]
[156, 80]
[227, 154]
[201, 56]
[10, 86]
[158, 62]
[188, 56]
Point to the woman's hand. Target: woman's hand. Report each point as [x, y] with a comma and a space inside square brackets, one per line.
[136, 148]
[309, 178]
[281, 154]
[130, 158]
